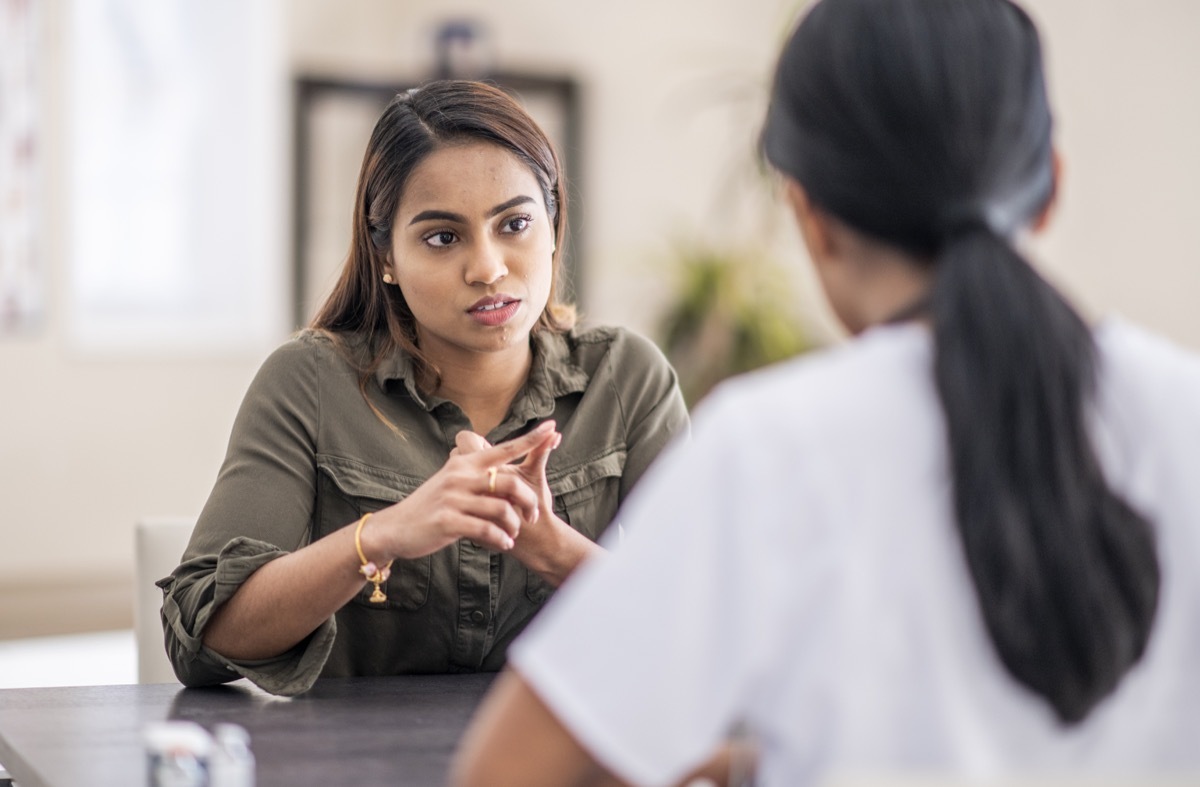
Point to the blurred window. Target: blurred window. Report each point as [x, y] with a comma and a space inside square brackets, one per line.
[22, 282]
[176, 235]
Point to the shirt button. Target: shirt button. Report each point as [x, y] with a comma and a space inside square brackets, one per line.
[478, 617]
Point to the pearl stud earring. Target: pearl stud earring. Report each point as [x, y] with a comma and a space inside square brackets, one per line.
[387, 278]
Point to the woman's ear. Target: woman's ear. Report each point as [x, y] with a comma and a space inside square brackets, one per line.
[1042, 220]
[814, 224]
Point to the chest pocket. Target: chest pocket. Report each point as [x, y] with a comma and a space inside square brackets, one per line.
[346, 490]
[586, 496]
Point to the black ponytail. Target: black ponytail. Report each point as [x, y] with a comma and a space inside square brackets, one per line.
[1066, 573]
[924, 123]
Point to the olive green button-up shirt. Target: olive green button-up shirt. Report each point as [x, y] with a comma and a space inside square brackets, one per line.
[307, 456]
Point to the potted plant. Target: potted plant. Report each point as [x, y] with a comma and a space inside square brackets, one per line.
[733, 313]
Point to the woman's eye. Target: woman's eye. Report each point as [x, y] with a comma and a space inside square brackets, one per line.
[517, 224]
[440, 239]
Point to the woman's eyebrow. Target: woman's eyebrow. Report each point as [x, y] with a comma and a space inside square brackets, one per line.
[438, 215]
[445, 215]
[512, 203]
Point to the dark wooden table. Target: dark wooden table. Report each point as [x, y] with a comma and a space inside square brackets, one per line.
[396, 730]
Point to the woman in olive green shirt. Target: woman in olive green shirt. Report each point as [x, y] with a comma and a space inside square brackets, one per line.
[408, 479]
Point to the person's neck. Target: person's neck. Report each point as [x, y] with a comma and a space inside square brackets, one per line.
[897, 296]
[892, 287]
[484, 385]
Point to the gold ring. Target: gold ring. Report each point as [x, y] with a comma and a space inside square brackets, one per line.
[492, 471]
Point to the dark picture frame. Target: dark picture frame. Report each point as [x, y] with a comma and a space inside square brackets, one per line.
[333, 119]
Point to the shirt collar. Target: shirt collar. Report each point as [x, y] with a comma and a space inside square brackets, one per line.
[552, 374]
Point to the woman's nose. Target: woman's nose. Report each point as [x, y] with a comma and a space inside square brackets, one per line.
[486, 264]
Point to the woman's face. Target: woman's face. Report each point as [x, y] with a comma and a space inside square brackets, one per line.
[471, 251]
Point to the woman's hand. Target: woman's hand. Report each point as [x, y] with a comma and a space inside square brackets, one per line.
[462, 500]
[546, 544]
[532, 469]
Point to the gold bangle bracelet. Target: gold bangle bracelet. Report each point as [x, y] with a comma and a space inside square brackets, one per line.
[368, 569]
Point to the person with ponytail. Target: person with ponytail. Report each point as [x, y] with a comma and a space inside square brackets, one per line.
[964, 544]
[410, 478]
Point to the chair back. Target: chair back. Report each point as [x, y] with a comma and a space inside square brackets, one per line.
[159, 544]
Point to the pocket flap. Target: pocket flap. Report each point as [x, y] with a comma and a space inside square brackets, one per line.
[357, 480]
[584, 474]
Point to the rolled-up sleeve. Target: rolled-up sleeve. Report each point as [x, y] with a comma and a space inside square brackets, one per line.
[193, 593]
[260, 508]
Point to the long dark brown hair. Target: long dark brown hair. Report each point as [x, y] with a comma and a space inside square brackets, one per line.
[414, 125]
[925, 123]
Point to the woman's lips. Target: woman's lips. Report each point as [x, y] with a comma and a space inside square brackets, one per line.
[494, 311]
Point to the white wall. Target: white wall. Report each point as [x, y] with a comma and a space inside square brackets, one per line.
[1124, 79]
[673, 92]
